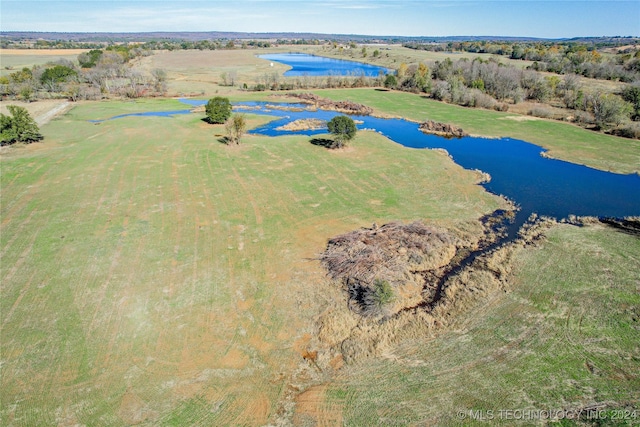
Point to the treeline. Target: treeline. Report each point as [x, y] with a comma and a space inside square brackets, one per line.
[99, 73]
[8, 43]
[561, 58]
[276, 82]
[168, 44]
[490, 84]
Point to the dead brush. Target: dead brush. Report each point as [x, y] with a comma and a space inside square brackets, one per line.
[373, 263]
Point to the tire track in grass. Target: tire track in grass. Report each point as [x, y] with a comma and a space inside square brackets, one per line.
[115, 258]
[23, 291]
[139, 249]
[17, 233]
[21, 259]
[252, 200]
[212, 215]
[100, 177]
[177, 223]
[318, 176]
[25, 199]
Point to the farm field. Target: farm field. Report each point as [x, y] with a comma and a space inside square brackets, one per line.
[152, 275]
[16, 59]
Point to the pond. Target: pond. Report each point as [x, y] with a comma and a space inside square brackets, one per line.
[535, 183]
[303, 64]
[518, 171]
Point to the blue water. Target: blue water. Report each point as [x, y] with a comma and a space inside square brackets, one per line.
[536, 184]
[310, 65]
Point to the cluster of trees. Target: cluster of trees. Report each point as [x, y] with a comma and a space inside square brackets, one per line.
[275, 81]
[9, 43]
[490, 84]
[218, 111]
[557, 57]
[18, 127]
[101, 72]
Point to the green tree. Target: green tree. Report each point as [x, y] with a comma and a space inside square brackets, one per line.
[609, 109]
[390, 82]
[218, 110]
[236, 126]
[89, 59]
[632, 94]
[19, 127]
[343, 128]
[52, 77]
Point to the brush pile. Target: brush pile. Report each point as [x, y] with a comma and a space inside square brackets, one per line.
[442, 129]
[346, 107]
[384, 269]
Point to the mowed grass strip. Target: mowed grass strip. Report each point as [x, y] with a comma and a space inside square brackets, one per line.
[564, 141]
[152, 275]
[564, 338]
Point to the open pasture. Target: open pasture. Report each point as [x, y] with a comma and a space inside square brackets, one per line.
[154, 276]
[12, 60]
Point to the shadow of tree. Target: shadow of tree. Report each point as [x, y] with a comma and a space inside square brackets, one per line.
[224, 140]
[323, 142]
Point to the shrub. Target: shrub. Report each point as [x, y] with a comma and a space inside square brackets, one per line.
[482, 100]
[377, 300]
[629, 130]
[542, 112]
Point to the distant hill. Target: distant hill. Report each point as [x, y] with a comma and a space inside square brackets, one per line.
[224, 35]
[217, 35]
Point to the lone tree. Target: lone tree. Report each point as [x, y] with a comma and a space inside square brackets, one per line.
[218, 110]
[236, 125]
[343, 128]
[19, 127]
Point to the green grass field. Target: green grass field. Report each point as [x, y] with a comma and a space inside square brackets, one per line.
[564, 338]
[154, 276]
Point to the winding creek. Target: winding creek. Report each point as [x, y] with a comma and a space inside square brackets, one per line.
[518, 171]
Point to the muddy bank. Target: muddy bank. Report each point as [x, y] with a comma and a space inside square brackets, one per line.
[346, 107]
[442, 129]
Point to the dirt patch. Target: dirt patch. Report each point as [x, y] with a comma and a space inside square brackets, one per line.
[311, 409]
[132, 409]
[520, 118]
[41, 111]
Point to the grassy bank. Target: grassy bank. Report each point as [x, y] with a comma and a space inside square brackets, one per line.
[565, 337]
[152, 275]
[564, 141]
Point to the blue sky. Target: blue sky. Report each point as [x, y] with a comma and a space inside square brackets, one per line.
[552, 19]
